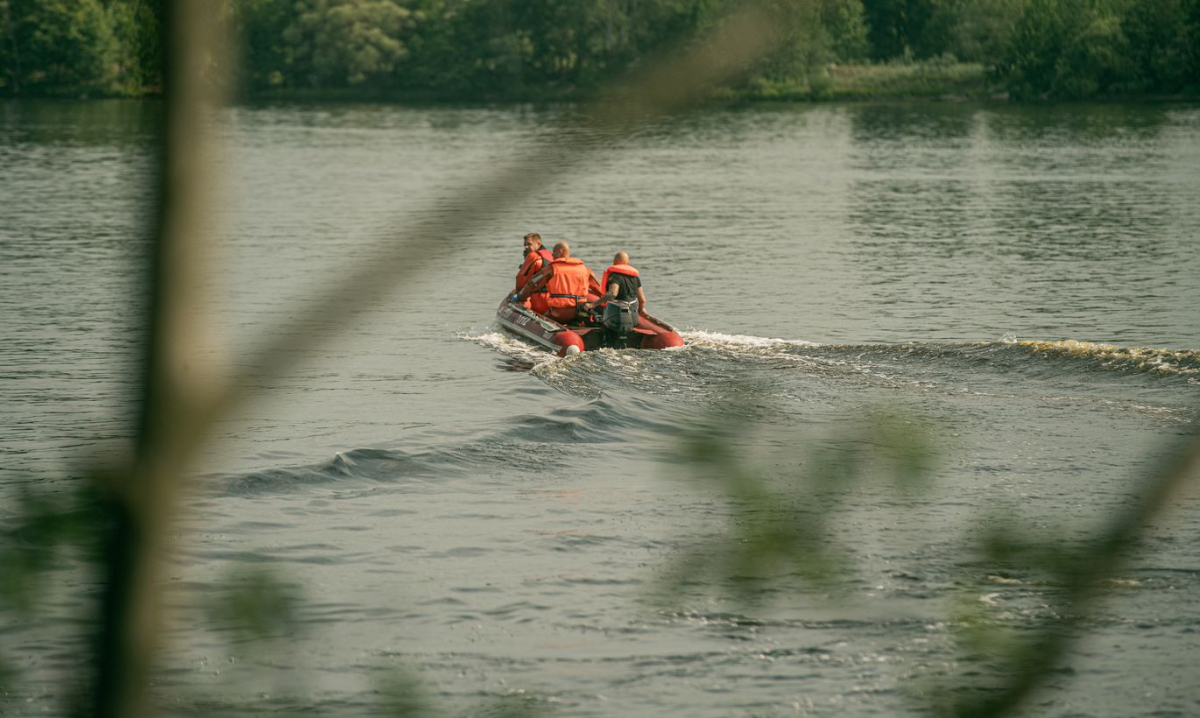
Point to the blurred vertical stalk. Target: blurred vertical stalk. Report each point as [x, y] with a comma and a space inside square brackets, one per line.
[141, 497]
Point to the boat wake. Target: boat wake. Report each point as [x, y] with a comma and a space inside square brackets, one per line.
[714, 366]
[652, 393]
[1065, 358]
[482, 454]
[1150, 360]
[525, 355]
[702, 338]
[1068, 354]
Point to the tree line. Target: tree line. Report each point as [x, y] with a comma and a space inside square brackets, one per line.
[525, 49]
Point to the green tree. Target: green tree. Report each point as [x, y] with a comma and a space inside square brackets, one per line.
[340, 43]
[135, 28]
[518, 47]
[434, 58]
[10, 50]
[845, 25]
[811, 34]
[806, 47]
[971, 30]
[1192, 11]
[1069, 48]
[266, 58]
[485, 47]
[550, 40]
[1029, 65]
[58, 47]
[895, 27]
[1162, 45]
[1095, 59]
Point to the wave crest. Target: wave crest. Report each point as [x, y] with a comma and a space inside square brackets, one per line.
[1113, 356]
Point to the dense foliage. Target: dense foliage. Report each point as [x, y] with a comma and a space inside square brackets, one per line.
[560, 48]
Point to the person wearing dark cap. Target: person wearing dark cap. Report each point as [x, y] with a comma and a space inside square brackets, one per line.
[536, 257]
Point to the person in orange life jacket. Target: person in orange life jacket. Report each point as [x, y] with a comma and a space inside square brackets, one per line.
[621, 282]
[536, 257]
[566, 280]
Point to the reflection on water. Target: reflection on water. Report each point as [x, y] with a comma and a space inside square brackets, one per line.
[910, 125]
[50, 123]
[465, 505]
[1050, 211]
[1108, 125]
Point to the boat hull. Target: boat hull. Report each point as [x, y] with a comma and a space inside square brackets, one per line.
[519, 320]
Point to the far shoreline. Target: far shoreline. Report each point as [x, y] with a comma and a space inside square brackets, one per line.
[931, 81]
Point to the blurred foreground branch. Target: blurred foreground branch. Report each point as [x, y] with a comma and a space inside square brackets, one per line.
[774, 535]
[1083, 575]
[781, 526]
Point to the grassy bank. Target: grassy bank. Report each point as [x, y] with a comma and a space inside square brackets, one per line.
[925, 79]
[931, 80]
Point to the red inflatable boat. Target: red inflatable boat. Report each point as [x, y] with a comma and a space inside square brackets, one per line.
[644, 332]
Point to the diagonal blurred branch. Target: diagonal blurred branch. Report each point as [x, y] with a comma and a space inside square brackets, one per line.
[1084, 583]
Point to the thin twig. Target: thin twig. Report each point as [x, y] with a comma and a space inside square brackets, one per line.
[1084, 585]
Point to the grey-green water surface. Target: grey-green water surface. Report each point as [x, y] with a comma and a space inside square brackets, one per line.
[458, 505]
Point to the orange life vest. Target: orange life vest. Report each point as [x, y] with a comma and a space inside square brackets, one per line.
[533, 263]
[568, 286]
[616, 269]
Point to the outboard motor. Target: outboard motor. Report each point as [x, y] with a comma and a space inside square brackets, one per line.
[620, 318]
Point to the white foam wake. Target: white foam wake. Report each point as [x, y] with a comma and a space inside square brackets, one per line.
[507, 344]
[510, 346]
[703, 338]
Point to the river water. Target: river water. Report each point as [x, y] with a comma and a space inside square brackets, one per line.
[1018, 284]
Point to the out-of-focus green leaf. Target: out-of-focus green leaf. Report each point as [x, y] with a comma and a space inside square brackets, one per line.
[774, 532]
[42, 526]
[256, 603]
[517, 705]
[405, 697]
